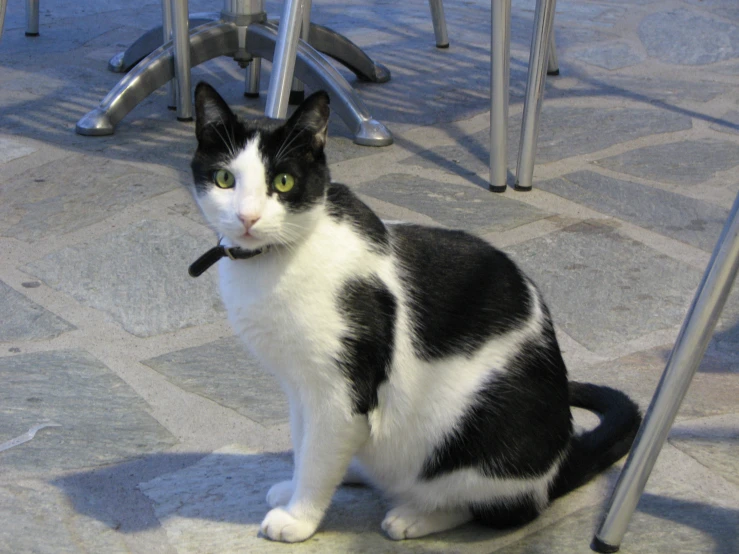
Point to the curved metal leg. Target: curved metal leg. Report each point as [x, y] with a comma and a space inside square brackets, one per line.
[318, 73]
[32, 18]
[439, 21]
[543, 20]
[3, 5]
[347, 53]
[206, 42]
[148, 42]
[684, 360]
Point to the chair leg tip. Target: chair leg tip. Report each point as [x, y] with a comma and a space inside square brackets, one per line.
[498, 188]
[599, 546]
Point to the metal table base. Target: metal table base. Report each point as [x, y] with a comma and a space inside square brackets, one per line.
[244, 33]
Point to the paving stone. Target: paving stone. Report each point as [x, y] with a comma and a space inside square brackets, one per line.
[713, 441]
[684, 37]
[687, 162]
[35, 519]
[609, 56]
[225, 372]
[725, 8]
[682, 218]
[68, 194]
[644, 88]
[729, 123]
[26, 320]
[712, 391]
[603, 288]
[12, 149]
[564, 132]
[102, 419]
[138, 276]
[673, 524]
[464, 207]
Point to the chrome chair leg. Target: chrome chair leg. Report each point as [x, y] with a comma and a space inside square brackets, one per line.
[3, 5]
[166, 37]
[500, 41]
[297, 91]
[32, 18]
[685, 358]
[553, 63]
[283, 63]
[543, 21]
[253, 78]
[181, 41]
[439, 21]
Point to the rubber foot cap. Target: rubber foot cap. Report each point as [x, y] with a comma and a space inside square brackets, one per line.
[184, 119]
[296, 97]
[443, 45]
[172, 108]
[553, 73]
[31, 34]
[600, 546]
[251, 94]
[500, 188]
[520, 188]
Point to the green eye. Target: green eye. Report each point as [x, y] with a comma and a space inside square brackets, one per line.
[224, 179]
[283, 182]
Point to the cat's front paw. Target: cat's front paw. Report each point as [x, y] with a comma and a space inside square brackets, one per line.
[280, 494]
[280, 525]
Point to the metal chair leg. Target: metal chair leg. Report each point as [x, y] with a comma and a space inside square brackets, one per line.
[3, 5]
[686, 356]
[253, 77]
[283, 63]
[500, 44]
[439, 21]
[543, 21]
[297, 91]
[32, 18]
[181, 40]
[553, 64]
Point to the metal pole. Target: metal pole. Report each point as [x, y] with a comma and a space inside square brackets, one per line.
[166, 37]
[32, 18]
[684, 360]
[283, 63]
[500, 44]
[543, 20]
[439, 21]
[553, 64]
[3, 5]
[181, 36]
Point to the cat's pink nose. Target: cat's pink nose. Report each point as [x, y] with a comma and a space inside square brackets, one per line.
[248, 220]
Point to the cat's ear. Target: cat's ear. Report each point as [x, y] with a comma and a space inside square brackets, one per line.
[312, 116]
[210, 109]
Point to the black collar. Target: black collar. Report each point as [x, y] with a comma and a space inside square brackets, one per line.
[201, 265]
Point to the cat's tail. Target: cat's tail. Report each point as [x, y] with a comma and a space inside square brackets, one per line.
[595, 450]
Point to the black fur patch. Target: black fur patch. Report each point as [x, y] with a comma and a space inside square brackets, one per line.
[369, 308]
[508, 514]
[462, 290]
[342, 204]
[519, 423]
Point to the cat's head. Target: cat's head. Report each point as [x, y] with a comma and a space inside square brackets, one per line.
[260, 182]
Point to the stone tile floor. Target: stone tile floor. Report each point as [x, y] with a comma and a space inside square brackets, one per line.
[170, 435]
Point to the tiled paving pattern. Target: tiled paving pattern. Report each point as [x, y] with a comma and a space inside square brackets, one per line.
[171, 435]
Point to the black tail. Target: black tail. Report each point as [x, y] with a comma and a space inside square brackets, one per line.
[595, 450]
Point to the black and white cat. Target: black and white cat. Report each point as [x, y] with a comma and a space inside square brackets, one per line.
[419, 359]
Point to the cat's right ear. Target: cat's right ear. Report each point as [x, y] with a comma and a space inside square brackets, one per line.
[210, 109]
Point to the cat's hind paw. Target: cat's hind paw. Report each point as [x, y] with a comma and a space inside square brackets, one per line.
[406, 522]
[280, 525]
[280, 494]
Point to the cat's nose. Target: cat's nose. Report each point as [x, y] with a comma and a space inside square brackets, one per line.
[249, 220]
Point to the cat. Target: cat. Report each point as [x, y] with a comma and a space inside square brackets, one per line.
[418, 359]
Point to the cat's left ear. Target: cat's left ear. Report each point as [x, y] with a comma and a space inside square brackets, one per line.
[312, 117]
